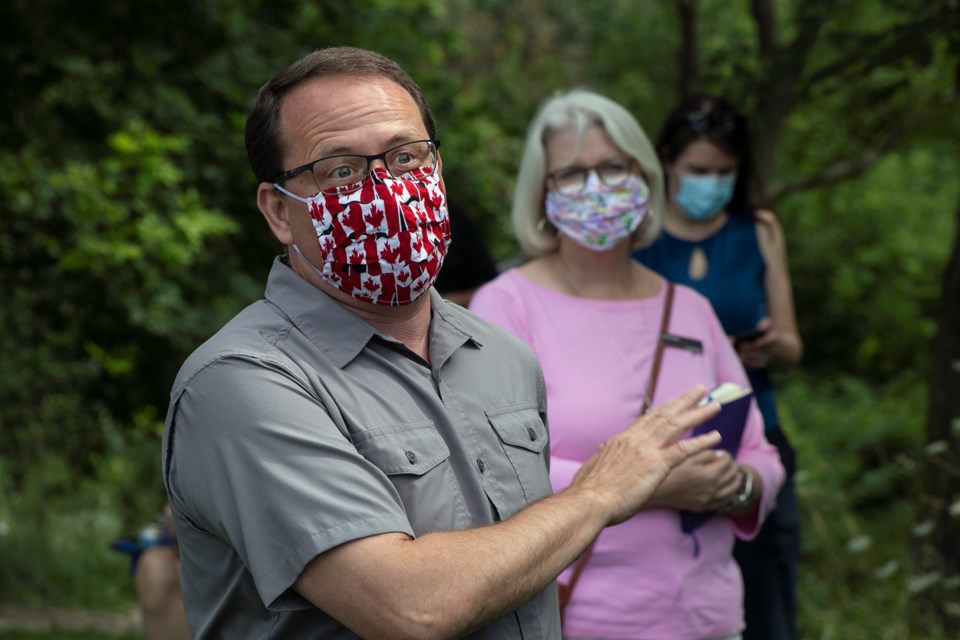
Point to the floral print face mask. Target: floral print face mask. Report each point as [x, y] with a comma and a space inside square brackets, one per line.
[598, 217]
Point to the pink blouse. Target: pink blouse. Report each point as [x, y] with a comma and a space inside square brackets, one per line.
[644, 579]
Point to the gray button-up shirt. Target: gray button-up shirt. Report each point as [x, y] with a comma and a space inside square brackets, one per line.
[299, 427]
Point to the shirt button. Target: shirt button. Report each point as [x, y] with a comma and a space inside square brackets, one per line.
[481, 465]
[531, 433]
[412, 457]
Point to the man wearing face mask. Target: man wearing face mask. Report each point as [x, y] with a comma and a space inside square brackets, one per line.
[351, 456]
[614, 340]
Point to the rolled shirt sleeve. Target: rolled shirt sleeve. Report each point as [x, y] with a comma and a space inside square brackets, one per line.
[271, 474]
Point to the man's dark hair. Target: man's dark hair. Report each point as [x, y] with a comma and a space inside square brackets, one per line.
[263, 141]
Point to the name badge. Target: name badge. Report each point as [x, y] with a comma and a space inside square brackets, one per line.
[687, 344]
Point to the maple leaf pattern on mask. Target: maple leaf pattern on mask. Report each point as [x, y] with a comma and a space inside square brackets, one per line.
[333, 278]
[321, 218]
[352, 224]
[370, 284]
[374, 218]
[403, 277]
[384, 243]
[389, 249]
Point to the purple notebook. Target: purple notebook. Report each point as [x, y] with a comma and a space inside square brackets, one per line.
[730, 423]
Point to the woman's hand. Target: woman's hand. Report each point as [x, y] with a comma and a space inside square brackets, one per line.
[707, 481]
[624, 474]
[762, 351]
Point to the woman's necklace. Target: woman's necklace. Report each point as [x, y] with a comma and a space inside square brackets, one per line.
[602, 327]
[632, 290]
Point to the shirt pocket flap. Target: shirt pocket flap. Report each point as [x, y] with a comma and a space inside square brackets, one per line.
[520, 428]
[413, 448]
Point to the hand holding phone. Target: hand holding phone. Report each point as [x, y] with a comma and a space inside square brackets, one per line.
[747, 336]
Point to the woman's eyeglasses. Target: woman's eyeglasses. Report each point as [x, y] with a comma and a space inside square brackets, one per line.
[573, 180]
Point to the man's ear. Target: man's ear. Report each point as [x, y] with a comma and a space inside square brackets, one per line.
[275, 210]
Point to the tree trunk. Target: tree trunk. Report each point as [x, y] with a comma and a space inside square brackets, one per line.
[689, 79]
[938, 555]
[783, 72]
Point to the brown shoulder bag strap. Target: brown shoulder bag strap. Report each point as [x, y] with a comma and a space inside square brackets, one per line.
[567, 590]
[658, 354]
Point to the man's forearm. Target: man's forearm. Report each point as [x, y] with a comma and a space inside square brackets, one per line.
[448, 584]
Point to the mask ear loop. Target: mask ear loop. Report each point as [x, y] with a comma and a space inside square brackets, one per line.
[304, 258]
[542, 226]
[287, 193]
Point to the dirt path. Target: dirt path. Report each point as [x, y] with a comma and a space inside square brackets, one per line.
[28, 619]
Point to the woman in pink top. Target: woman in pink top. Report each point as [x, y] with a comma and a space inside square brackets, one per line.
[589, 191]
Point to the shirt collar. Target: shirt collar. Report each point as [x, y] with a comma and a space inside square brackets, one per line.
[447, 332]
[340, 333]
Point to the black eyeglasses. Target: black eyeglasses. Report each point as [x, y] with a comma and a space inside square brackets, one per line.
[346, 173]
[572, 180]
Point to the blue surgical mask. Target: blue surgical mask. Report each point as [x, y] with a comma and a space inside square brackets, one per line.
[702, 198]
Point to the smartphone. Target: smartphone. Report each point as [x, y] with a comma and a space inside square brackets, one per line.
[747, 336]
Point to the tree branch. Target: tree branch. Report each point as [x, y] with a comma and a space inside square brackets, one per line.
[836, 172]
[876, 50]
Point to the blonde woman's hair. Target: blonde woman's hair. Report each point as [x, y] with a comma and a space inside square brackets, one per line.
[577, 110]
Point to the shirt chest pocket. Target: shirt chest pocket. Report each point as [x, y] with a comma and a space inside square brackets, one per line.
[413, 448]
[523, 437]
[415, 459]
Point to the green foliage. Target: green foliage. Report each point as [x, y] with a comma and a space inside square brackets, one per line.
[859, 447]
[868, 257]
[135, 225]
[53, 554]
[131, 232]
[101, 259]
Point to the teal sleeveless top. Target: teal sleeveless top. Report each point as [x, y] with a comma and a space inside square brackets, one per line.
[733, 283]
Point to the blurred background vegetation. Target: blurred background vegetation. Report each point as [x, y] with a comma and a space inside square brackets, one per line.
[130, 234]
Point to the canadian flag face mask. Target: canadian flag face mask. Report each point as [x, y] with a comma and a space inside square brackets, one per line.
[385, 242]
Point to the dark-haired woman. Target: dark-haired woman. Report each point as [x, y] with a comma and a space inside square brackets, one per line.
[716, 241]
